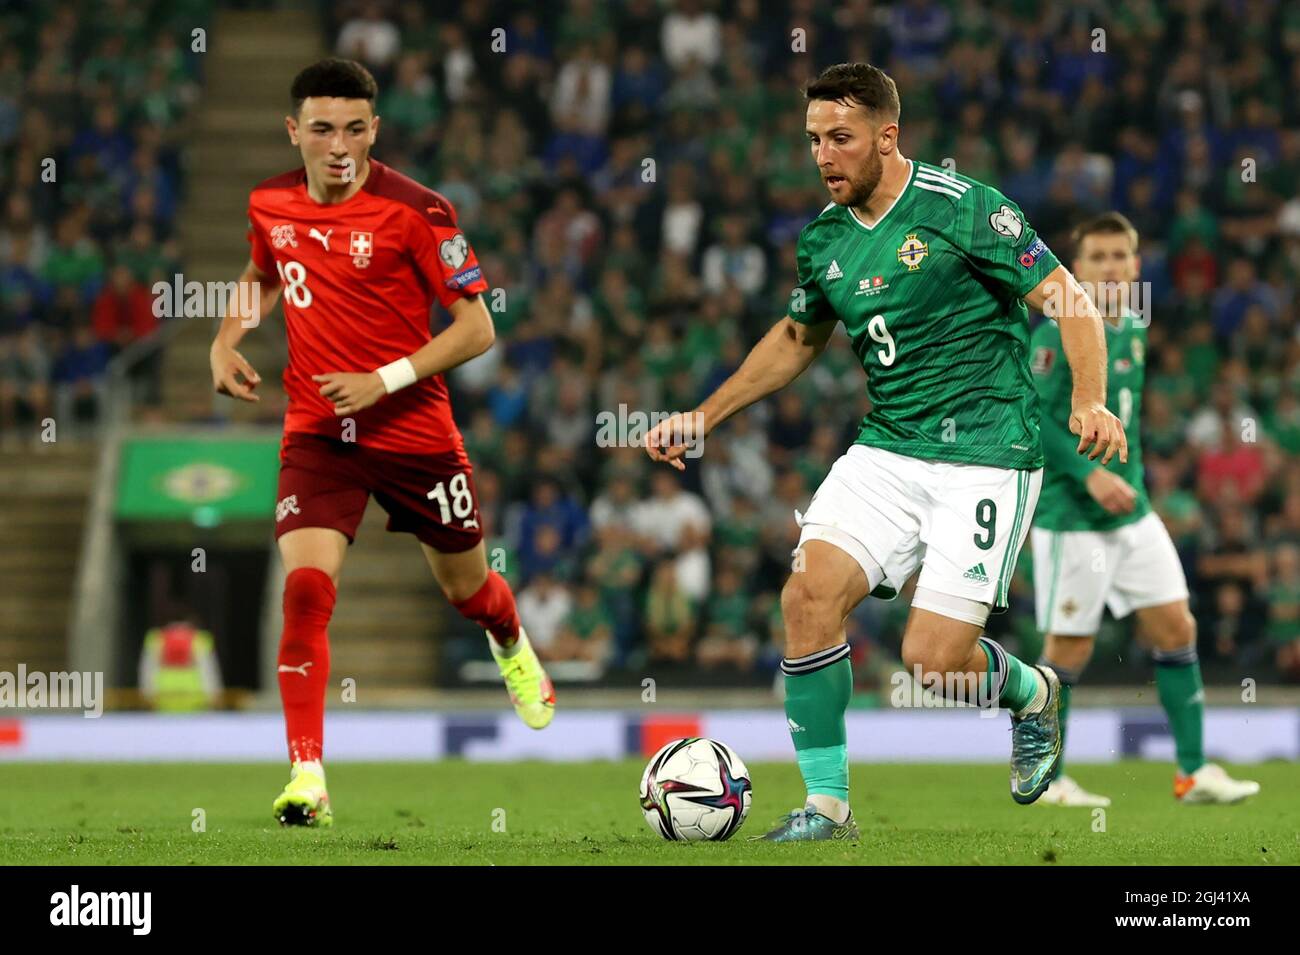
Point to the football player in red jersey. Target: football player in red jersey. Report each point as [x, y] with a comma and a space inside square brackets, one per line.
[360, 253]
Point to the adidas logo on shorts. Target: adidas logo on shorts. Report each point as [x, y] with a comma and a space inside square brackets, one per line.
[977, 574]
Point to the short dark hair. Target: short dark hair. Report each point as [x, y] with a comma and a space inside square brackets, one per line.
[868, 86]
[1108, 223]
[347, 79]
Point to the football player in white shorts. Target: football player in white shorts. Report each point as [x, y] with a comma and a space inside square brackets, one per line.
[930, 272]
[1096, 541]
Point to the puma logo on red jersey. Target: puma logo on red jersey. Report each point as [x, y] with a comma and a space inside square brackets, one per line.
[440, 215]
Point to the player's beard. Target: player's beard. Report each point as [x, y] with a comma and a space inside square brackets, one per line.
[864, 183]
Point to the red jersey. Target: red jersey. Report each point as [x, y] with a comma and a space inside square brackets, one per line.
[359, 279]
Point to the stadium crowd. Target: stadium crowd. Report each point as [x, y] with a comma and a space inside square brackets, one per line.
[633, 177]
[93, 98]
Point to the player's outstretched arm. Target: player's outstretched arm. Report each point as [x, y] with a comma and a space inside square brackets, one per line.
[778, 359]
[228, 365]
[1061, 298]
[470, 334]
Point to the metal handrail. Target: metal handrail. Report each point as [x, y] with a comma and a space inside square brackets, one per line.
[118, 397]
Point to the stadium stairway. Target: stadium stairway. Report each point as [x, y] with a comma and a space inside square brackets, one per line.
[42, 514]
[238, 140]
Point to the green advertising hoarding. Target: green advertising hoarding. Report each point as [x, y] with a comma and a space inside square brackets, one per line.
[204, 482]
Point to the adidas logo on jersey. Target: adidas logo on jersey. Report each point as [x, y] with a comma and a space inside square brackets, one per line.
[977, 574]
[834, 271]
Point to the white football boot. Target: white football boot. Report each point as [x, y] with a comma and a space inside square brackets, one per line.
[1064, 791]
[1210, 784]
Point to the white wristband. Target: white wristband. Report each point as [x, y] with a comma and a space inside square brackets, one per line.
[397, 374]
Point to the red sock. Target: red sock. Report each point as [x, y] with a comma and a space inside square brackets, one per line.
[493, 608]
[305, 659]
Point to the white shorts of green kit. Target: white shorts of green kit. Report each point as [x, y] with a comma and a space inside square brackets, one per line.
[1077, 574]
[962, 525]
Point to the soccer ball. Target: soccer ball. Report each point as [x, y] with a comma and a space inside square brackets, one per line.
[695, 789]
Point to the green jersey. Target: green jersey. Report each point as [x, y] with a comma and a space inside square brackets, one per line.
[1064, 503]
[931, 299]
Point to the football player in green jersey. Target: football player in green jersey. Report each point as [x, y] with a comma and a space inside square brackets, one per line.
[930, 272]
[1096, 541]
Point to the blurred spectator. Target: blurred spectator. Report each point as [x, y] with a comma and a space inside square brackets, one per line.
[1234, 471]
[616, 507]
[920, 31]
[1230, 572]
[410, 106]
[1241, 292]
[25, 377]
[74, 261]
[789, 428]
[585, 634]
[1284, 610]
[676, 524]
[1233, 624]
[691, 34]
[581, 99]
[552, 525]
[123, 310]
[728, 638]
[545, 603]
[179, 670]
[371, 38]
[1225, 413]
[636, 91]
[734, 261]
[616, 569]
[79, 375]
[669, 618]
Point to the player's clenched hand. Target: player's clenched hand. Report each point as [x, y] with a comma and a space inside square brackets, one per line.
[227, 367]
[1099, 430]
[671, 438]
[350, 391]
[1112, 492]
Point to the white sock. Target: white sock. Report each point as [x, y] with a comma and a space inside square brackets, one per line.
[311, 766]
[837, 810]
[1040, 697]
[505, 653]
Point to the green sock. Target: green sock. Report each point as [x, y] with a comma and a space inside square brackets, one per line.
[1178, 680]
[817, 691]
[1019, 679]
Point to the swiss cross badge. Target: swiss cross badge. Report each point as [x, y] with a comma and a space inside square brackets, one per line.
[361, 247]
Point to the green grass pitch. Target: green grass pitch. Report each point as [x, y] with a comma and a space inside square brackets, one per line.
[587, 813]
